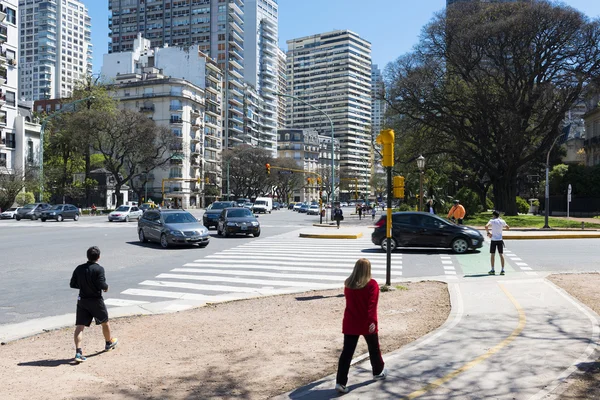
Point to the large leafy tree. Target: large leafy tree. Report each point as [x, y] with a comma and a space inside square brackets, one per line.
[131, 144]
[489, 84]
[14, 181]
[284, 183]
[247, 175]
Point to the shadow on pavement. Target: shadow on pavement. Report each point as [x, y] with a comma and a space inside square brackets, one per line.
[307, 298]
[55, 363]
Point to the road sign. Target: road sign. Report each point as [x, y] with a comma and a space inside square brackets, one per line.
[284, 172]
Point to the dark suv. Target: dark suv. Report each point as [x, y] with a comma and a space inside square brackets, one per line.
[211, 215]
[32, 211]
[169, 227]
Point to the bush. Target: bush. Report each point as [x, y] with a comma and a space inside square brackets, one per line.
[489, 204]
[522, 205]
[404, 207]
[24, 198]
[470, 201]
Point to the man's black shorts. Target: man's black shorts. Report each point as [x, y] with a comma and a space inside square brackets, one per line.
[497, 244]
[88, 309]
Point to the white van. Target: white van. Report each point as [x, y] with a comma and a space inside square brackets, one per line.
[263, 205]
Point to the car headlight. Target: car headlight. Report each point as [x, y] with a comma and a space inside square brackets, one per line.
[254, 223]
[232, 224]
[475, 242]
[176, 233]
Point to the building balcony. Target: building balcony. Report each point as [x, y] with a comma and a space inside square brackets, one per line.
[3, 33]
[147, 108]
[175, 121]
[2, 13]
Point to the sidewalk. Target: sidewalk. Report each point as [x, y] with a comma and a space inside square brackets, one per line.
[506, 338]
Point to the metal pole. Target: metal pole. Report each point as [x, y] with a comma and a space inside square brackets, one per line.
[228, 180]
[547, 193]
[421, 191]
[388, 229]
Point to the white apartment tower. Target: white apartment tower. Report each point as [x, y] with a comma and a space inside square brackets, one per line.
[55, 47]
[261, 63]
[281, 72]
[9, 41]
[332, 72]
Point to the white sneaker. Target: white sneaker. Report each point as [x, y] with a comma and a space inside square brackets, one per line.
[341, 388]
[381, 376]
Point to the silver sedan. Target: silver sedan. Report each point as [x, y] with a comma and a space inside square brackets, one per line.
[125, 213]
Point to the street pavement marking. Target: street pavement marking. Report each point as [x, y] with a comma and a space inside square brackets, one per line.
[276, 262]
[337, 278]
[248, 281]
[165, 294]
[521, 264]
[277, 267]
[447, 267]
[446, 262]
[223, 288]
[516, 332]
[123, 302]
[526, 268]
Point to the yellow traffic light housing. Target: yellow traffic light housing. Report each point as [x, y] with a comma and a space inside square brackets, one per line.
[386, 140]
[399, 187]
[268, 168]
[319, 180]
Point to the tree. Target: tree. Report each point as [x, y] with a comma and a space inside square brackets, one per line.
[12, 182]
[284, 184]
[489, 84]
[247, 175]
[131, 144]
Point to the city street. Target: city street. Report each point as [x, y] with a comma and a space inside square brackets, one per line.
[38, 259]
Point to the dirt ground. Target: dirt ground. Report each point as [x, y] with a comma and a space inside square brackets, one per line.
[250, 349]
[585, 384]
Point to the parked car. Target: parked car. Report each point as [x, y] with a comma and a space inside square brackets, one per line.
[125, 213]
[32, 211]
[276, 205]
[313, 210]
[291, 206]
[172, 227]
[147, 206]
[419, 229]
[303, 208]
[60, 212]
[211, 215]
[238, 220]
[11, 213]
[343, 204]
[297, 206]
[248, 205]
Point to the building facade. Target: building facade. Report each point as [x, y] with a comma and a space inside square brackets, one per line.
[591, 144]
[195, 166]
[55, 47]
[332, 72]
[378, 109]
[282, 77]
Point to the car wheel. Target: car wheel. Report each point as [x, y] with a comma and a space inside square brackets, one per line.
[460, 246]
[34, 217]
[163, 241]
[43, 219]
[59, 218]
[257, 234]
[218, 231]
[76, 217]
[393, 244]
[141, 236]
[225, 233]
[127, 218]
[18, 218]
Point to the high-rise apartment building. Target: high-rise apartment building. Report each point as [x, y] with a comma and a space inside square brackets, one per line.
[378, 108]
[261, 63]
[281, 74]
[332, 72]
[55, 49]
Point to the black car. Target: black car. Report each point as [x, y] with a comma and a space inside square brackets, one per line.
[169, 227]
[419, 229]
[60, 212]
[238, 220]
[32, 211]
[276, 205]
[211, 215]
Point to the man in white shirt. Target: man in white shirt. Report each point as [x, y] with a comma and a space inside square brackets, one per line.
[497, 224]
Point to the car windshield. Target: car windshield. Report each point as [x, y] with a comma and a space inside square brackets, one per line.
[29, 206]
[57, 207]
[179, 218]
[122, 208]
[218, 206]
[12, 209]
[260, 202]
[239, 213]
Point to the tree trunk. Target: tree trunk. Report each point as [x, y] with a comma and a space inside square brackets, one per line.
[117, 194]
[88, 189]
[505, 195]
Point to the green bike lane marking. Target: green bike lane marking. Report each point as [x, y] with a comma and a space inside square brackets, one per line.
[479, 263]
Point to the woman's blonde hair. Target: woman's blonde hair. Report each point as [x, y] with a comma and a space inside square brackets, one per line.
[360, 276]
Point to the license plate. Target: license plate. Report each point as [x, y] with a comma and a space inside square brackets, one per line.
[244, 227]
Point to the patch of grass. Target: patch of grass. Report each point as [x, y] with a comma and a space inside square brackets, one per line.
[527, 221]
[400, 287]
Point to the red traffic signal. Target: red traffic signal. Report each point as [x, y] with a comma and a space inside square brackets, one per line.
[268, 168]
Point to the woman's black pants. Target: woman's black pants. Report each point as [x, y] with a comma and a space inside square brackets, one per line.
[350, 342]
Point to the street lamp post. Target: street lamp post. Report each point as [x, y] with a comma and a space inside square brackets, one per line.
[547, 192]
[43, 127]
[332, 142]
[421, 166]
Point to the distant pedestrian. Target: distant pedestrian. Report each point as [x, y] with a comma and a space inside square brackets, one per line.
[457, 212]
[93, 209]
[497, 224]
[373, 212]
[360, 319]
[430, 206]
[360, 211]
[338, 215]
[89, 278]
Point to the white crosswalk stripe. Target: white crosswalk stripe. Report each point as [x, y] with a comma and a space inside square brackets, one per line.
[275, 265]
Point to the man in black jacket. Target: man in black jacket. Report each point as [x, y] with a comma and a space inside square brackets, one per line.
[90, 280]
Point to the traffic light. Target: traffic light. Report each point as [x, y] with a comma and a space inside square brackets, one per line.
[207, 179]
[308, 181]
[319, 180]
[198, 180]
[399, 187]
[268, 168]
[320, 203]
[386, 139]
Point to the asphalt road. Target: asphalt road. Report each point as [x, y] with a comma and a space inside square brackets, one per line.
[37, 259]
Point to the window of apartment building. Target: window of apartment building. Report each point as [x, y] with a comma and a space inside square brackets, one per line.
[2, 159]
[11, 15]
[10, 98]
[30, 151]
[177, 132]
[148, 92]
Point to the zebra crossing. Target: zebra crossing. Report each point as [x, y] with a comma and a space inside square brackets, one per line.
[276, 265]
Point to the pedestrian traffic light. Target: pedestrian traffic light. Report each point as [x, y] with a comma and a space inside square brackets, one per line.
[386, 139]
[399, 187]
[268, 168]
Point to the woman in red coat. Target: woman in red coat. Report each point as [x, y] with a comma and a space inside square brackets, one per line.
[360, 318]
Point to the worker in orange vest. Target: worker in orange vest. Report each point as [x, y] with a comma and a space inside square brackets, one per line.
[457, 212]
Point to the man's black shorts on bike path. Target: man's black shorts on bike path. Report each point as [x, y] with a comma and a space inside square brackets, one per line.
[499, 244]
[88, 309]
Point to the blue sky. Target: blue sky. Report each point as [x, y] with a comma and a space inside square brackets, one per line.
[392, 26]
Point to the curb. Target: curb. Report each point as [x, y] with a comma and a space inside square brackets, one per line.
[562, 236]
[331, 236]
